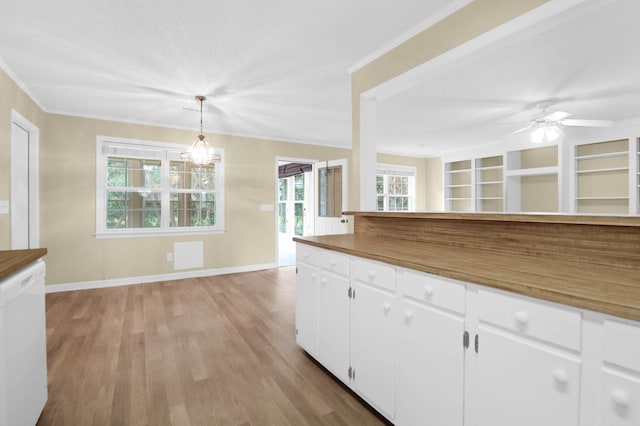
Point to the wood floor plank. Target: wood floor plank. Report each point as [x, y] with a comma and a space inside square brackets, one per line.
[205, 351]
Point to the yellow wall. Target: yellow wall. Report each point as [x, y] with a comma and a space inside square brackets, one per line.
[68, 202]
[11, 97]
[467, 23]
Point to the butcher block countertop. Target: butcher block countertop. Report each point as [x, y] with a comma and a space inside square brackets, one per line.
[11, 261]
[587, 262]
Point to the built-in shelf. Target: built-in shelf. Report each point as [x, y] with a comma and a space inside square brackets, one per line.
[458, 186]
[602, 177]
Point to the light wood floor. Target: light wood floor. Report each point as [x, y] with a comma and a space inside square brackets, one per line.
[206, 351]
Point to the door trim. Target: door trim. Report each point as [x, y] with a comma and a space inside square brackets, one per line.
[34, 173]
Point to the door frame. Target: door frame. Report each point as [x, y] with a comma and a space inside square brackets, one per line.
[277, 201]
[34, 183]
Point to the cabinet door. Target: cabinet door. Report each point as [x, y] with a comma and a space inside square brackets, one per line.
[620, 400]
[333, 324]
[524, 383]
[430, 367]
[307, 308]
[373, 346]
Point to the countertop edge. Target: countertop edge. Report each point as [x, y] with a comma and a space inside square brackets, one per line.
[12, 261]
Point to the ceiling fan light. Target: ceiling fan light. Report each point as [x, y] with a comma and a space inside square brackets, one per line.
[537, 135]
[551, 132]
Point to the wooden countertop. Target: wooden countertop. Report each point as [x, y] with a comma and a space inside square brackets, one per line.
[11, 261]
[603, 288]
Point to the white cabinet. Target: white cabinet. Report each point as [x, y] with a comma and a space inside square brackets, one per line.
[373, 333]
[528, 365]
[307, 278]
[333, 313]
[430, 355]
[619, 399]
[397, 338]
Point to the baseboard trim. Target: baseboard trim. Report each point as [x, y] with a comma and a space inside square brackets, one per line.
[87, 285]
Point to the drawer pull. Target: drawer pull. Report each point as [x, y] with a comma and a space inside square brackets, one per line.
[620, 398]
[386, 306]
[332, 263]
[428, 292]
[522, 318]
[372, 274]
[561, 376]
[408, 315]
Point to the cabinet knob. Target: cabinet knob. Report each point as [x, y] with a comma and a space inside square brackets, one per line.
[620, 398]
[522, 318]
[428, 291]
[332, 262]
[386, 306]
[408, 315]
[323, 280]
[372, 274]
[314, 276]
[561, 376]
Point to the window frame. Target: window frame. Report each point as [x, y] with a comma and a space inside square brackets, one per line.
[397, 170]
[151, 150]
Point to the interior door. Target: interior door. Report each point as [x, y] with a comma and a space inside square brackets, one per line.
[24, 183]
[331, 192]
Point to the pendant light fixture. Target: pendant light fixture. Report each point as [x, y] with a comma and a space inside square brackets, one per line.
[200, 152]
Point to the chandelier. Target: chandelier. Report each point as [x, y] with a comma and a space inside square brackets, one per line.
[200, 152]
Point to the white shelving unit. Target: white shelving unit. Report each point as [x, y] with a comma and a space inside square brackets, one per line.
[489, 188]
[459, 191]
[531, 175]
[602, 177]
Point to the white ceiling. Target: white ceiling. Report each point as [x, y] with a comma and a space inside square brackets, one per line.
[586, 60]
[274, 69]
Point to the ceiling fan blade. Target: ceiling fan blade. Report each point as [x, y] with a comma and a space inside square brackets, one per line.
[524, 129]
[557, 116]
[587, 123]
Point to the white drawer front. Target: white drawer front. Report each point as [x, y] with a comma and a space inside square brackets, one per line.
[559, 325]
[374, 273]
[620, 400]
[622, 344]
[334, 262]
[438, 291]
[307, 254]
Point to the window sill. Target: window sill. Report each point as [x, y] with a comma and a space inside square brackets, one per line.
[154, 233]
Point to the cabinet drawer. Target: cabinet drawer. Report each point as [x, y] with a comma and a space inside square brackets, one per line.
[307, 254]
[375, 273]
[620, 400]
[334, 262]
[554, 324]
[438, 291]
[622, 344]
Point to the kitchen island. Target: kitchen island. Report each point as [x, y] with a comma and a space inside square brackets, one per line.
[478, 319]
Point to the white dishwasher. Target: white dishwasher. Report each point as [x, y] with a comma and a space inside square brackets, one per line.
[23, 352]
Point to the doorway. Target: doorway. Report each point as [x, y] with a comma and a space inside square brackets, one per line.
[24, 197]
[295, 206]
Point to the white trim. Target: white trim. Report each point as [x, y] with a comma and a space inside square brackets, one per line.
[409, 34]
[34, 177]
[117, 282]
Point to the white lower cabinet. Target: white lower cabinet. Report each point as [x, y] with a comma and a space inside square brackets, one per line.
[430, 352]
[307, 307]
[427, 350]
[524, 383]
[333, 324]
[373, 346]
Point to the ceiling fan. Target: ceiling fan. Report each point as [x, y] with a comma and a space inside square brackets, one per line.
[546, 126]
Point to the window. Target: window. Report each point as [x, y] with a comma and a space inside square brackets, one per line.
[395, 187]
[144, 188]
